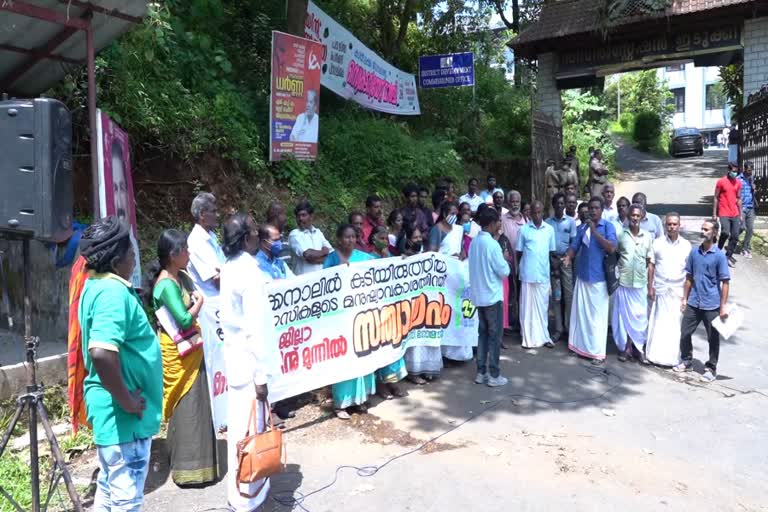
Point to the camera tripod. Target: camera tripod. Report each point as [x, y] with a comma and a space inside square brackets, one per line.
[32, 402]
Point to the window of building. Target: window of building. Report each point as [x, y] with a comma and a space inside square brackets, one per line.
[714, 98]
[676, 67]
[678, 99]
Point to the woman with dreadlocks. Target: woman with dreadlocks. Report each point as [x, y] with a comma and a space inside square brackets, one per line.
[124, 384]
[186, 404]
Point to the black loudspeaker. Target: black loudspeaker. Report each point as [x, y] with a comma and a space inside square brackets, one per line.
[36, 168]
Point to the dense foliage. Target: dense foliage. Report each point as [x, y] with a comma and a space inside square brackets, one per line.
[731, 85]
[647, 129]
[191, 86]
[585, 125]
[643, 105]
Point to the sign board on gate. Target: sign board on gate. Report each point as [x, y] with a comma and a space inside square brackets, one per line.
[450, 70]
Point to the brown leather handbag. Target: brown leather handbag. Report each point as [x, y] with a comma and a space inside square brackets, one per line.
[259, 455]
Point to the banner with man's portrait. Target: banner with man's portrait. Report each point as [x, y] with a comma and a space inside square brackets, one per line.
[116, 181]
[294, 110]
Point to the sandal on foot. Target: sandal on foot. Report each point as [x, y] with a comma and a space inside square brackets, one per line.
[342, 414]
[416, 379]
[397, 391]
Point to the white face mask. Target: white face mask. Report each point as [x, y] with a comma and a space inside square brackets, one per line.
[451, 219]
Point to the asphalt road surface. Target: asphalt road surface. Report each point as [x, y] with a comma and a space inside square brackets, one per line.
[560, 436]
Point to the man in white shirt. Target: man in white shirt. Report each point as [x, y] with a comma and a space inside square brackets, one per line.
[307, 123]
[472, 197]
[205, 255]
[487, 194]
[610, 213]
[651, 222]
[308, 243]
[670, 254]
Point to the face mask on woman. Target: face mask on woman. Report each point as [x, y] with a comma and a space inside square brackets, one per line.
[379, 244]
[415, 246]
[451, 219]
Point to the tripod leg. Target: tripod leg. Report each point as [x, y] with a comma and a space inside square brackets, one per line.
[59, 458]
[34, 458]
[11, 426]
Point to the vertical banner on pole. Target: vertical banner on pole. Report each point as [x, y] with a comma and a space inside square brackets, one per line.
[294, 111]
[116, 181]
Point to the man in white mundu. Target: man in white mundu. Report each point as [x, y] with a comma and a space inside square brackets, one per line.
[670, 254]
[630, 308]
[535, 248]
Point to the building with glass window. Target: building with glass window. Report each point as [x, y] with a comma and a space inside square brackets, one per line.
[697, 99]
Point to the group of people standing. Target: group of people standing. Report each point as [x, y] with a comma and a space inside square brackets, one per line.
[547, 277]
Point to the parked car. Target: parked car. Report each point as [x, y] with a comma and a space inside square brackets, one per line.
[686, 140]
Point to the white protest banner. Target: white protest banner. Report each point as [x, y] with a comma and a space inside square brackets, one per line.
[213, 348]
[355, 72]
[347, 321]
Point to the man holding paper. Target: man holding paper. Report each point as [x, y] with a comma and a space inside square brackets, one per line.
[705, 295]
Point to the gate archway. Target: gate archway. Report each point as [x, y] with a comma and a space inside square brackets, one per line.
[579, 42]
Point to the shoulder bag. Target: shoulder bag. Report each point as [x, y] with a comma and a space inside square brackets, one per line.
[259, 455]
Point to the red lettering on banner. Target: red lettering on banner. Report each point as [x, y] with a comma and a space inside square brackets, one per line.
[325, 350]
[371, 84]
[219, 384]
[294, 337]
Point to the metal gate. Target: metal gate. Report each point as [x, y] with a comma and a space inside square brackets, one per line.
[754, 147]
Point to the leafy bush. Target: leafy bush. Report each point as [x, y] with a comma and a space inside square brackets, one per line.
[647, 130]
[361, 155]
[584, 125]
[627, 121]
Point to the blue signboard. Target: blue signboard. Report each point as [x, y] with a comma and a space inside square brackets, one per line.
[452, 70]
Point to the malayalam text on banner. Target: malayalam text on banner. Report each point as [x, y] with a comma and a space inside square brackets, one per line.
[355, 72]
[294, 110]
[348, 321]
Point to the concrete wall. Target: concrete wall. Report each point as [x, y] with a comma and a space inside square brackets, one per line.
[755, 55]
[49, 294]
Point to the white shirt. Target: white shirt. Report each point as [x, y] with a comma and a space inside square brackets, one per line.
[303, 239]
[474, 201]
[487, 195]
[670, 263]
[611, 214]
[243, 308]
[205, 259]
[305, 130]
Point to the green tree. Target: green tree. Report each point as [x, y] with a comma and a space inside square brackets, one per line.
[732, 86]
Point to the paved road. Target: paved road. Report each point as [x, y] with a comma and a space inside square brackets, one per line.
[683, 184]
[560, 436]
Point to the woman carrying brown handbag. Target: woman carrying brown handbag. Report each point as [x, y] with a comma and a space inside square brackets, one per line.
[248, 362]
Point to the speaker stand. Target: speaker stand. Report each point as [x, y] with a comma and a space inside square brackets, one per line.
[32, 402]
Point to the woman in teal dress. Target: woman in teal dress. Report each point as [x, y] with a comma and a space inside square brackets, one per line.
[351, 393]
[393, 373]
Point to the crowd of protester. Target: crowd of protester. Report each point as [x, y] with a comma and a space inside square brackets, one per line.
[545, 274]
